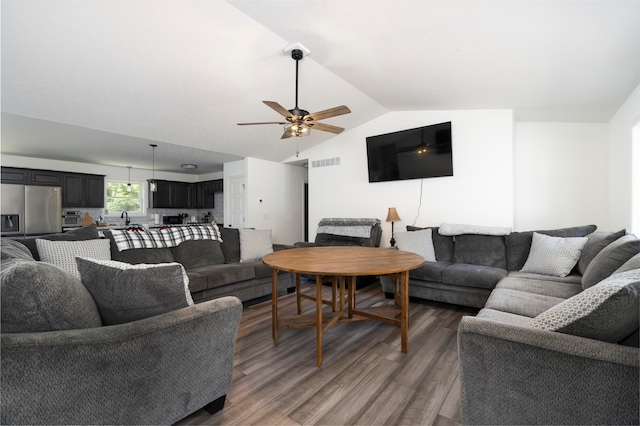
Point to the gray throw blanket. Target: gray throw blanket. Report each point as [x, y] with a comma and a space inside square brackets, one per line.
[349, 227]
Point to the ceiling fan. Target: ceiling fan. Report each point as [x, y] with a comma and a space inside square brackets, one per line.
[298, 121]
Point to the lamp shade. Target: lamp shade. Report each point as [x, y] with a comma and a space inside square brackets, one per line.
[392, 216]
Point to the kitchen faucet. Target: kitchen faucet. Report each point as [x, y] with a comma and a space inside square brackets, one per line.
[124, 213]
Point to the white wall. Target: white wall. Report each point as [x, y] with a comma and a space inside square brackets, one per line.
[480, 191]
[561, 175]
[273, 197]
[620, 137]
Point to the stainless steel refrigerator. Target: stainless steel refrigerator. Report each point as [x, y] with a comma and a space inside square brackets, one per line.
[30, 210]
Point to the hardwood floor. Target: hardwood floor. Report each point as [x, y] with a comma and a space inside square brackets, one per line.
[364, 380]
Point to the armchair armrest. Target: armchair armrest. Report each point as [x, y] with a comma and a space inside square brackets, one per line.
[152, 371]
[517, 375]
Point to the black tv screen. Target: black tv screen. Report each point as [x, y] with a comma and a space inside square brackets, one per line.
[423, 152]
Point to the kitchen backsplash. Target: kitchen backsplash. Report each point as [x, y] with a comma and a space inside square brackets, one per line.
[217, 213]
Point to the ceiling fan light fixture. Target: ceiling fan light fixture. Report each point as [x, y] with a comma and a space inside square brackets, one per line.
[297, 129]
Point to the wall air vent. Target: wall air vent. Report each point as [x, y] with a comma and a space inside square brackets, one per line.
[335, 161]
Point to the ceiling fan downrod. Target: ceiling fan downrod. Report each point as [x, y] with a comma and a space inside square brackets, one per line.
[297, 55]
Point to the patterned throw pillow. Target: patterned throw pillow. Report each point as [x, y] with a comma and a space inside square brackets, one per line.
[607, 311]
[555, 256]
[63, 253]
[419, 242]
[125, 292]
[254, 243]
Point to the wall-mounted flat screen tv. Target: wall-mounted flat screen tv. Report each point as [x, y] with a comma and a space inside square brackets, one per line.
[423, 152]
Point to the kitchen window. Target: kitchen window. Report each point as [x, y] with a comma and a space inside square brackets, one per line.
[121, 196]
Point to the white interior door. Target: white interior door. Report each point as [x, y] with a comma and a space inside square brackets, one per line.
[236, 185]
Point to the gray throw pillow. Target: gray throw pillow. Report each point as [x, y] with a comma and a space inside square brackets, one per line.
[63, 253]
[125, 293]
[38, 296]
[254, 243]
[81, 234]
[609, 259]
[555, 256]
[607, 311]
[418, 242]
[519, 243]
[595, 243]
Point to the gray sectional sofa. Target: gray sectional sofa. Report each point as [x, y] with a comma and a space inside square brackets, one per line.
[543, 349]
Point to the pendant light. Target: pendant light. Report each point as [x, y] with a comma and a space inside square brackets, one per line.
[129, 188]
[153, 186]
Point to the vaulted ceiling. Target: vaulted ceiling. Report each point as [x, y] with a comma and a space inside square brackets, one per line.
[98, 81]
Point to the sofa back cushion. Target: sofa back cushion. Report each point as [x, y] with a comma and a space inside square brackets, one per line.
[38, 296]
[596, 241]
[81, 234]
[12, 249]
[519, 243]
[196, 253]
[442, 244]
[230, 244]
[139, 255]
[610, 259]
[483, 250]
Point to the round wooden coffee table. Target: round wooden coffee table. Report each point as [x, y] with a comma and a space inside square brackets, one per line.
[344, 262]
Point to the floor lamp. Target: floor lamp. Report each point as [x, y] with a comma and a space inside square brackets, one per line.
[392, 216]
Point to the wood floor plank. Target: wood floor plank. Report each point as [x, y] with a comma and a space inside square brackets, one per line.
[364, 380]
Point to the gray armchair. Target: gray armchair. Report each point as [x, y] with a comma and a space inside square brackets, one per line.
[156, 370]
[60, 365]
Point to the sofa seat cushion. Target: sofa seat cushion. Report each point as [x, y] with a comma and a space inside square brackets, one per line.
[429, 271]
[464, 274]
[38, 297]
[569, 279]
[485, 250]
[504, 317]
[520, 302]
[197, 253]
[219, 275]
[197, 281]
[561, 290]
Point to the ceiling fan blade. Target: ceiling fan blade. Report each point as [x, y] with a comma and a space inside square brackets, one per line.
[264, 122]
[325, 127]
[278, 108]
[332, 112]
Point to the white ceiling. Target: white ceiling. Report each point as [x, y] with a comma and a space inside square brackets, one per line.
[98, 81]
